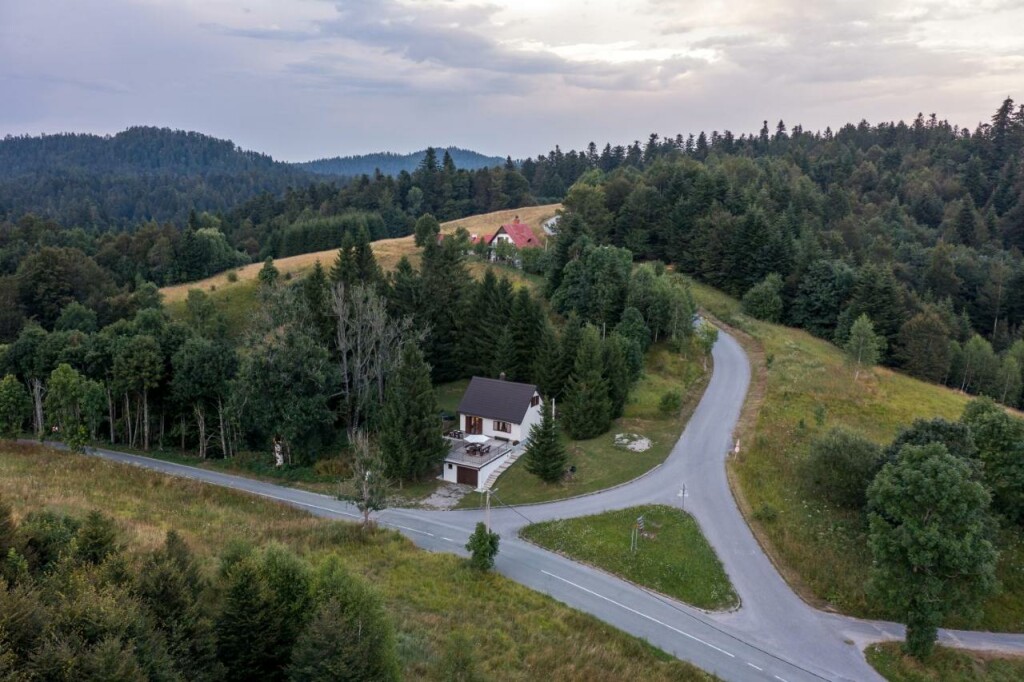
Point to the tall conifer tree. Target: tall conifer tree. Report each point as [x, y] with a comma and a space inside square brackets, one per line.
[586, 408]
[545, 455]
[410, 437]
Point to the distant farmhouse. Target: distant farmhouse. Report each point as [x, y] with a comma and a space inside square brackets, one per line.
[499, 246]
[494, 416]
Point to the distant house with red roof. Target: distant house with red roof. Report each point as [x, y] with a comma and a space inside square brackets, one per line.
[517, 233]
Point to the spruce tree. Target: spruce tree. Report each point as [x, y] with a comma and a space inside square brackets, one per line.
[404, 290]
[366, 269]
[545, 455]
[546, 368]
[410, 437]
[527, 326]
[344, 269]
[446, 284]
[572, 334]
[586, 408]
[487, 326]
[503, 355]
[247, 627]
[617, 372]
[317, 296]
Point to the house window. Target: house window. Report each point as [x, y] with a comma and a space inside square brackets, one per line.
[504, 427]
[534, 401]
[449, 466]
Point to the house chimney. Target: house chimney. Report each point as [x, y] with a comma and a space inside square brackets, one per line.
[501, 377]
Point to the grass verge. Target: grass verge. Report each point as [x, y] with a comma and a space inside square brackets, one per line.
[599, 462]
[433, 599]
[806, 389]
[945, 665]
[673, 557]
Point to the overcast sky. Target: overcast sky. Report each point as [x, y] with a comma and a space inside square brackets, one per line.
[301, 79]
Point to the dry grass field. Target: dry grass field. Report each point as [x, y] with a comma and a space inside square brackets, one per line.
[387, 251]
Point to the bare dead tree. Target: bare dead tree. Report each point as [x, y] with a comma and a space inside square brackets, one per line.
[368, 341]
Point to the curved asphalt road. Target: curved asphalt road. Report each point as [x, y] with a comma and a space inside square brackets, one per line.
[774, 635]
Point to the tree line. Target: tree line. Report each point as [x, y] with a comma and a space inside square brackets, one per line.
[917, 227]
[76, 603]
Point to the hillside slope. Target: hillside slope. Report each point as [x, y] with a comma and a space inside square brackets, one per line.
[807, 388]
[387, 251]
[142, 173]
[450, 620]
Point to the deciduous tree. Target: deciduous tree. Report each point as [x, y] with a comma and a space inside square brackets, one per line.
[929, 536]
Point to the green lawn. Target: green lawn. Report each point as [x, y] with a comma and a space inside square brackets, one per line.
[822, 550]
[945, 665]
[599, 462]
[237, 303]
[673, 557]
[435, 601]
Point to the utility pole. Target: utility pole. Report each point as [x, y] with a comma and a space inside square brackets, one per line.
[487, 508]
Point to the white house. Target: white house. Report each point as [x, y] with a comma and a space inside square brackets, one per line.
[494, 416]
[499, 409]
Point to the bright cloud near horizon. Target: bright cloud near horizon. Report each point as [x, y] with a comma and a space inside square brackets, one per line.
[302, 79]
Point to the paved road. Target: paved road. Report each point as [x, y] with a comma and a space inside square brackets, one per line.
[772, 636]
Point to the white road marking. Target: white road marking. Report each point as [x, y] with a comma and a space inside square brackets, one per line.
[642, 615]
[780, 679]
[448, 539]
[413, 530]
[755, 667]
[300, 504]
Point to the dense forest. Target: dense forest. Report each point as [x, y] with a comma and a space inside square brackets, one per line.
[345, 350]
[390, 163]
[142, 174]
[44, 265]
[918, 227]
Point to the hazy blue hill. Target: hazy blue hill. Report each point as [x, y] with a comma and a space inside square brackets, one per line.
[390, 163]
[142, 173]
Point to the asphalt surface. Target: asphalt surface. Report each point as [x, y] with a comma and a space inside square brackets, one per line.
[773, 635]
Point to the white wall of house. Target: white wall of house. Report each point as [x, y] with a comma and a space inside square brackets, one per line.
[451, 470]
[518, 432]
[532, 417]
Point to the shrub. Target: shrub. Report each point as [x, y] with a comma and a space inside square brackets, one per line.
[232, 276]
[764, 299]
[483, 547]
[841, 466]
[671, 402]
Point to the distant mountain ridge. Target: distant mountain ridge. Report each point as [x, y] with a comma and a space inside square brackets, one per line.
[143, 173]
[390, 163]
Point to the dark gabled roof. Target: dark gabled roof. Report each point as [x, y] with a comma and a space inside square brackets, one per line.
[507, 401]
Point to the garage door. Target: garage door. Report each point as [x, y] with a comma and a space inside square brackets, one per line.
[467, 476]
